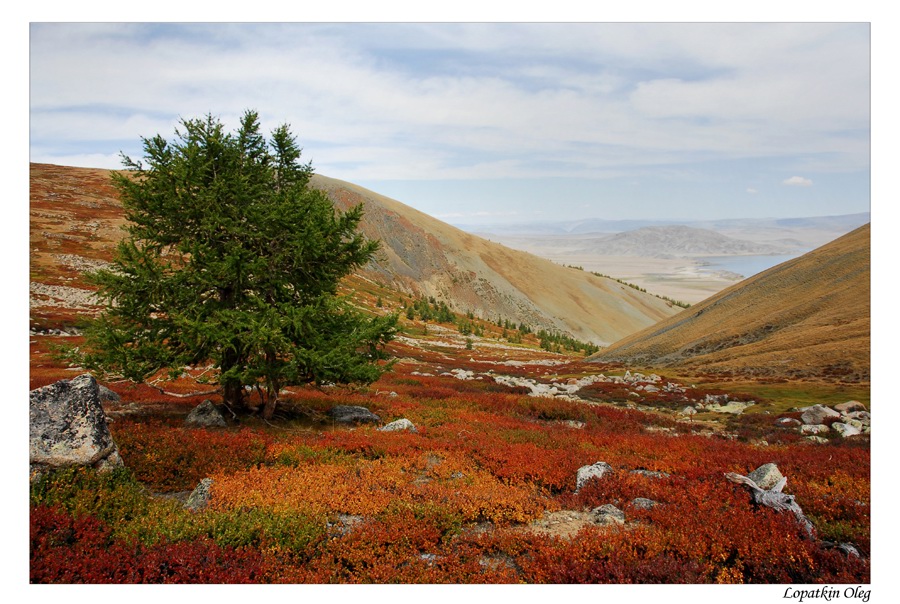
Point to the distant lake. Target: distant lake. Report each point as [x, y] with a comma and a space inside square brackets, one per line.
[743, 265]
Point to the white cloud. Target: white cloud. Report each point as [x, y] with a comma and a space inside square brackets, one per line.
[798, 181]
[752, 191]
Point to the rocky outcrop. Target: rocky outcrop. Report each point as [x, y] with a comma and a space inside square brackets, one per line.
[205, 415]
[351, 414]
[68, 428]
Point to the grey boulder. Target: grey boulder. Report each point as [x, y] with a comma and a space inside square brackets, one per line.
[398, 425]
[766, 476]
[586, 473]
[817, 414]
[68, 427]
[351, 414]
[205, 415]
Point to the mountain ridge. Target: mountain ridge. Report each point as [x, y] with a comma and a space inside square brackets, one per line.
[807, 317]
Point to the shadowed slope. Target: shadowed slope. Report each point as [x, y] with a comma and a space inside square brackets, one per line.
[808, 317]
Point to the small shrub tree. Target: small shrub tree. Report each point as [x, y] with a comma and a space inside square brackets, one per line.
[231, 257]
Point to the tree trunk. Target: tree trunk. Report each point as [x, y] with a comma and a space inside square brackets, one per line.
[269, 408]
[233, 394]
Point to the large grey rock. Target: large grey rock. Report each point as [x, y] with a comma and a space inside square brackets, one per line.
[350, 414]
[850, 406]
[817, 414]
[400, 424]
[766, 476]
[585, 473]
[205, 415]
[199, 497]
[68, 427]
[845, 430]
[608, 514]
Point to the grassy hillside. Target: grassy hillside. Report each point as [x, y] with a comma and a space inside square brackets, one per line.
[429, 257]
[808, 317]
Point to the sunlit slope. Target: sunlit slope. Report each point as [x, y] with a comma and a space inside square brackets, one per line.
[808, 317]
[424, 255]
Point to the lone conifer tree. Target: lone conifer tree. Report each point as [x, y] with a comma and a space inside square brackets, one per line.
[231, 258]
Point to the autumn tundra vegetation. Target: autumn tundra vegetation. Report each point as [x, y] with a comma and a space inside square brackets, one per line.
[259, 307]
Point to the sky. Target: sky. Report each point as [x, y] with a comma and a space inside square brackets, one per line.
[492, 123]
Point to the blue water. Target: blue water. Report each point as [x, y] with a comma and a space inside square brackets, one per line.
[747, 266]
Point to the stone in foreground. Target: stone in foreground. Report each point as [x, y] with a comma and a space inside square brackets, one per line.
[199, 497]
[68, 427]
[205, 415]
[766, 476]
[817, 414]
[608, 514]
[351, 414]
[585, 473]
[398, 425]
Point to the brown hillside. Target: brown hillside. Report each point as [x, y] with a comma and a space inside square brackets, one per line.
[808, 317]
[423, 255]
[76, 220]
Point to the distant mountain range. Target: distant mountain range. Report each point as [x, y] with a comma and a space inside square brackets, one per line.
[842, 224]
[677, 241]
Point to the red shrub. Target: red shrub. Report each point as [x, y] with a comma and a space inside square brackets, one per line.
[79, 550]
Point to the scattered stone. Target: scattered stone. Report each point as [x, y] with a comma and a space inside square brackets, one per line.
[199, 497]
[345, 523]
[585, 473]
[400, 424]
[814, 429]
[108, 395]
[689, 411]
[733, 407]
[850, 406]
[642, 503]
[788, 422]
[608, 514]
[351, 414]
[817, 414]
[571, 423]
[68, 427]
[845, 430]
[205, 415]
[817, 439]
[650, 473]
[766, 476]
[863, 416]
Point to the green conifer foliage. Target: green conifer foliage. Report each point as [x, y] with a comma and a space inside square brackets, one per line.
[232, 259]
